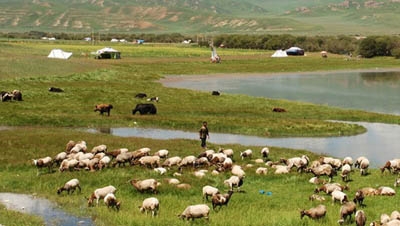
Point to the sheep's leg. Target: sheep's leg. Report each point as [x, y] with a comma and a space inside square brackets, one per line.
[79, 187]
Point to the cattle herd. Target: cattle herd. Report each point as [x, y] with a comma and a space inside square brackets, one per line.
[323, 170]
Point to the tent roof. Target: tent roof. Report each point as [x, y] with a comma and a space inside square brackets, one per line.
[107, 50]
[279, 53]
[59, 54]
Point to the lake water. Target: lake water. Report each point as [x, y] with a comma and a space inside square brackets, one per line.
[42, 207]
[375, 91]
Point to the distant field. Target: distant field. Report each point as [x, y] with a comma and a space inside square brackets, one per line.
[44, 122]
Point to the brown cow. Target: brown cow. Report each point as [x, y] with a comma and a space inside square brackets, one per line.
[103, 108]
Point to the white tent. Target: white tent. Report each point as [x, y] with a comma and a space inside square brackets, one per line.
[279, 53]
[108, 53]
[59, 54]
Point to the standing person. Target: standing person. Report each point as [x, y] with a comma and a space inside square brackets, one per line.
[203, 132]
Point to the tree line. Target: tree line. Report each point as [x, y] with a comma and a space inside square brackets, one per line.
[341, 44]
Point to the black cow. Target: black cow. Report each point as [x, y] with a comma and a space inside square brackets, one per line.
[6, 96]
[145, 109]
[215, 93]
[140, 95]
[55, 89]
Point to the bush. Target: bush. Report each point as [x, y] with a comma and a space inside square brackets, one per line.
[396, 53]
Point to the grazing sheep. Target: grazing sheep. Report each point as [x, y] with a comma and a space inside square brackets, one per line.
[316, 197]
[200, 173]
[329, 188]
[6, 96]
[103, 108]
[281, 169]
[172, 161]
[221, 199]
[209, 191]
[395, 215]
[346, 210]
[238, 171]
[80, 146]
[206, 153]
[234, 181]
[122, 158]
[316, 180]
[246, 154]
[324, 169]
[116, 152]
[104, 162]
[187, 161]
[99, 148]
[160, 170]
[173, 181]
[203, 161]
[361, 219]
[150, 161]
[70, 186]
[100, 193]
[42, 163]
[346, 170]
[299, 162]
[69, 146]
[217, 158]
[145, 185]
[150, 205]
[227, 152]
[262, 171]
[60, 157]
[163, 153]
[111, 201]
[348, 160]
[68, 164]
[195, 211]
[362, 163]
[314, 213]
[265, 152]
[339, 196]
[184, 186]
[368, 191]
[392, 166]
[359, 198]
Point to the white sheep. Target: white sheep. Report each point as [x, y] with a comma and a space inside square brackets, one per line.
[184, 186]
[339, 196]
[346, 170]
[262, 170]
[43, 162]
[150, 205]
[324, 169]
[234, 181]
[195, 211]
[70, 186]
[150, 161]
[163, 153]
[246, 154]
[68, 164]
[362, 163]
[173, 181]
[145, 185]
[111, 201]
[69, 146]
[209, 191]
[80, 146]
[60, 157]
[281, 169]
[314, 213]
[391, 165]
[238, 171]
[99, 148]
[383, 190]
[100, 193]
[347, 160]
[104, 162]
[187, 161]
[160, 170]
[172, 161]
[200, 173]
[227, 152]
[122, 158]
[395, 215]
[202, 161]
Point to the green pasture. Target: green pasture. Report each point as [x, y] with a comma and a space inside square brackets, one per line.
[44, 122]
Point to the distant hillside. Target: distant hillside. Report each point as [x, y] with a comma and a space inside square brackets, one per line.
[202, 16]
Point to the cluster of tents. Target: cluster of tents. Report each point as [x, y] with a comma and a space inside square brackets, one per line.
[105, 53]
[293, 51]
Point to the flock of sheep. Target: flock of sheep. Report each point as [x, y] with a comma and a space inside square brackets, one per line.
[77, 157]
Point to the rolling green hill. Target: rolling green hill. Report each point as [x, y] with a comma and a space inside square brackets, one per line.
[202, 16]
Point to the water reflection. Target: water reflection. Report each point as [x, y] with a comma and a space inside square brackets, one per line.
[376, 91]
[379, 144]
[43, 208]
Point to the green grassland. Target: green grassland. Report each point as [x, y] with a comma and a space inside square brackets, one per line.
[44, 122]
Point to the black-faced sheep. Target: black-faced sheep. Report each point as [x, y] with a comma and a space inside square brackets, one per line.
[314, 213]
[111, 201]
[265, 152]
[221, 199]
[246, 154]
[103, 108]
[150, 205]
[234, 181]
[100, 193]
[195, 211]
[346, 210]
[145, 185]
[70, 186]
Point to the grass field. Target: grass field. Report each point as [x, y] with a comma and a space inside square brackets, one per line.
[44, 122]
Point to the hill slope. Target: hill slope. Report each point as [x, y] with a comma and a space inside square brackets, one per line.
[202, 16]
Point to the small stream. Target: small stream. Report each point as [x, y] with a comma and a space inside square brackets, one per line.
[52, 215]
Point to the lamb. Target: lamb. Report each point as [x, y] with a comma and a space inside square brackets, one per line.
[172, 161]
[340, 196]
[361, 219]
[195, 211]
[68, 164]
[234, 181]
[103, 108]
[346, 210]
[265, 152]
[386, 191]
[99, 148]
[43, 162]
[111, 201]
[70, 186]
[209, 191]
[163, 153]
[150, 204]
[314, 213]
[221, 199]
[150, 161]
[145, 185]
[246, 154]
[100, 193]
[262, 170]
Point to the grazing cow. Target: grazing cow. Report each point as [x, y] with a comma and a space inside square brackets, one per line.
[279, 110]
[56, 90]
[215, 93]
[140, 95]
[103, 108]
[145, 109]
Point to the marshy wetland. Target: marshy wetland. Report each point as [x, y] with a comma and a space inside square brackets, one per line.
[44, 122]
